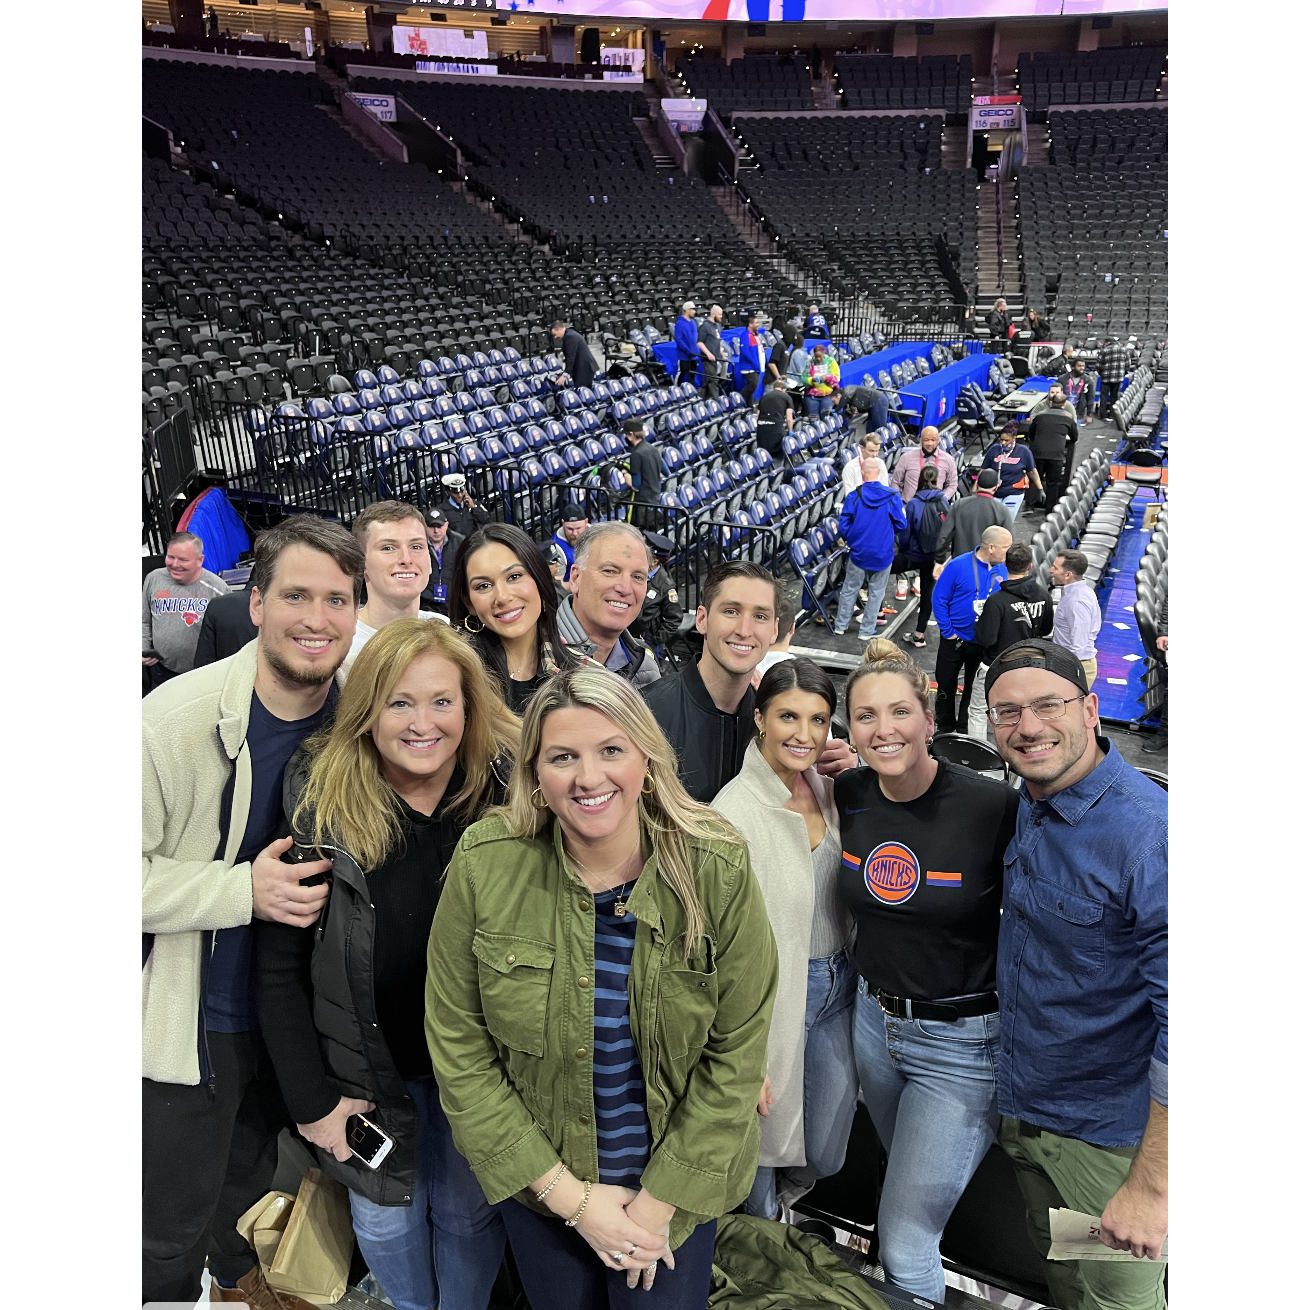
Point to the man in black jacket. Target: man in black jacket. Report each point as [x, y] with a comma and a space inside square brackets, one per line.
[968, 518]
[579, 362]
[464, 513]
[443, 544]
[225, 628]
[707, 710]
[1052, 436]
[1019, 611]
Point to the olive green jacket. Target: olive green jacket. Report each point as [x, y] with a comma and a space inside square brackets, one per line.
[510, 1020]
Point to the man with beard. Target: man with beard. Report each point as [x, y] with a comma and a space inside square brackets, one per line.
[1082, 977]
[215, 742]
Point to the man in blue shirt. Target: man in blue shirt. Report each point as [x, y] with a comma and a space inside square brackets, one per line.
[573, 522]
[816, 326]
[958, 598]
[686, 337]
[1082, 977]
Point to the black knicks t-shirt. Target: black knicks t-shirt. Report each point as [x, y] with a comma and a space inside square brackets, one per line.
[923, 880]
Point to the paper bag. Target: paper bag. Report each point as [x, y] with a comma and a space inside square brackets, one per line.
[304, 1244]
[262, 1225]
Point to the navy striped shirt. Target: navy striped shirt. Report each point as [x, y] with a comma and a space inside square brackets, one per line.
[618, 1086]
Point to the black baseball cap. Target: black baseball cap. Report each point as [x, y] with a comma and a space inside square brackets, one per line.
[1038, 653]
[988, 478]
[435, 518]
[572, 513]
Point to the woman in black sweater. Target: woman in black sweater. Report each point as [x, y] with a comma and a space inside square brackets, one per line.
[419, 748]
[504, 597]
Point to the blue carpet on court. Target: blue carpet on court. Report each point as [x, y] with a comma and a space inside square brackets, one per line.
[1121, 662]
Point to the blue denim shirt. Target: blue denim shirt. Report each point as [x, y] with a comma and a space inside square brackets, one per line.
[1082, 961]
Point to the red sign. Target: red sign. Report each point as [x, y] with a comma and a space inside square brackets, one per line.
[998, 100]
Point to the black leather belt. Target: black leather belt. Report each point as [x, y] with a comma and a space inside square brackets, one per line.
[903, 1008]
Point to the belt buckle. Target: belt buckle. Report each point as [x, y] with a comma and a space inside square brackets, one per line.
[899, 1000]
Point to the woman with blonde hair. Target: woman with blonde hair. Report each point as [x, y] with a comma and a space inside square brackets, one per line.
[923, 851]
[420, 746]
[601, 975]
[784, 808]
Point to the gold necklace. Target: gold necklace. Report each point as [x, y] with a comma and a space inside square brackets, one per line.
[620, 902]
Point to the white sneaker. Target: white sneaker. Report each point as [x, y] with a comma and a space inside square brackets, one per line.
[918, 590]
[902, 589]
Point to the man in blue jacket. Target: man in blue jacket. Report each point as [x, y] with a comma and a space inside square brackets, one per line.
[957, 599]
[870, 519]
[687, 339]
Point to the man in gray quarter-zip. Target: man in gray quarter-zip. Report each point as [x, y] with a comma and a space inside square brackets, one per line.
[215, 742]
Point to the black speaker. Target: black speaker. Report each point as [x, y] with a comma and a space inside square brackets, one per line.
[591, 45]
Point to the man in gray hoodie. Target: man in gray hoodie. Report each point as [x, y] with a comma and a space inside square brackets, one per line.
[173, 604]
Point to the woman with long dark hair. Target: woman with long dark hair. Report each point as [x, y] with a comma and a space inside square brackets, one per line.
[600, 980]
[923, 851]
[784, 808]
[504, 598]
[422, 743]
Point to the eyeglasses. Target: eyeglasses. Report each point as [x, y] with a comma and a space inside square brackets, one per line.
[1049, 707]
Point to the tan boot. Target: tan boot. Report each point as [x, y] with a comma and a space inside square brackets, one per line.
[254, 1291]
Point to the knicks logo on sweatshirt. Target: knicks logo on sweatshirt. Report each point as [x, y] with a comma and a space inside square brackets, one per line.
[891, 873]
[191, 608]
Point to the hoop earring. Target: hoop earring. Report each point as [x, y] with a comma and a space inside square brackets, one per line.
[761, 734]
[538, 804]
[476, 630]
[648, 791]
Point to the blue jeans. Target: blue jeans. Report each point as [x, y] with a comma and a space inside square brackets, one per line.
[449, 1238]
[876, 583]
[816, 405]
[1012, 503]
[930, 1089]
[559, 1271]
[830, 1084]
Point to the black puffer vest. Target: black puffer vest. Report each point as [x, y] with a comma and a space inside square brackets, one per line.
[355, 1054]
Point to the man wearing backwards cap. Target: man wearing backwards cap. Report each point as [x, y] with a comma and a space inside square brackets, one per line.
[1082, 977]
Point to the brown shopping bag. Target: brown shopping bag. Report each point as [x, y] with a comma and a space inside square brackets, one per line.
[304, 1243]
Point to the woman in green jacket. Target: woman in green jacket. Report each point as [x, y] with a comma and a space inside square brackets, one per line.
[601, 975]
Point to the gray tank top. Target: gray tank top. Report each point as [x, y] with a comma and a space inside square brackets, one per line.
[831, 926]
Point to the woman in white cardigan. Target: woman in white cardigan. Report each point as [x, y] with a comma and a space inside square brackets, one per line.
[785, 810]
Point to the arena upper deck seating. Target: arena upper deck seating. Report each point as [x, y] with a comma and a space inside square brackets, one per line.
[861, 201]
[1126, 74]
[753, 82]
[1092, 225]
[890, 82]
[573, 167]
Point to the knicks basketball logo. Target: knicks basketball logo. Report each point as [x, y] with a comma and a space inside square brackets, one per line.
[891, 873]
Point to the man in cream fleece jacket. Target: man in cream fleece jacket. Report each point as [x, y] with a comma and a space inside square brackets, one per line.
[214, 745]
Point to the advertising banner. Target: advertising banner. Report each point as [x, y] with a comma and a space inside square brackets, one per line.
[438, 41]
[383, 108]
[996, 118]
[685, 115]
[456, 66]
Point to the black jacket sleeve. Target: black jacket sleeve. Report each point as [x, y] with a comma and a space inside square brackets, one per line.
[207, 642]
[284, 996]
[946, 535]
[987, 627]
[1045, 620]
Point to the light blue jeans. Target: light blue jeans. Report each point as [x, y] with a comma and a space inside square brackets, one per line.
[830, 1084]
[876, 583]
[1012, 503]
[816, 405]
[449, 1238]
[930, 1089]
